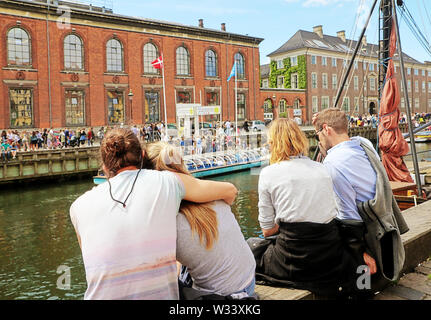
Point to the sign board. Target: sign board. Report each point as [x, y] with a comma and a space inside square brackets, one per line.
[268, 116]
[186, 109]
[205, 111]
[297, 112]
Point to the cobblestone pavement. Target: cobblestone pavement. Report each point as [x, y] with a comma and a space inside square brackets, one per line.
[412, 286]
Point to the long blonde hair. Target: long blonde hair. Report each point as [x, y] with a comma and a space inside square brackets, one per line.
[201, 217]
[286, 140]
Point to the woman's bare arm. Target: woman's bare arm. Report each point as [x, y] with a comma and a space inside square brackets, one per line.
[202, 191]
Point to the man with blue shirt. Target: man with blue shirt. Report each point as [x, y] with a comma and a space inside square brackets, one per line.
[353, 177]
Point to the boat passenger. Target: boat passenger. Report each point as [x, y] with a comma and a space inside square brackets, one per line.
[209, 240]
[127, 227]
[297, 208]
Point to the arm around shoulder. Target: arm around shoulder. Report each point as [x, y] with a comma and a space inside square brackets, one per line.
[202, 191]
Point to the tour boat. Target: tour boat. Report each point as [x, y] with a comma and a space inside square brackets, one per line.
[215, 163]
[422, 136]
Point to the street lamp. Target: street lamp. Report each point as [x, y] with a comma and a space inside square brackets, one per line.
[131, 104]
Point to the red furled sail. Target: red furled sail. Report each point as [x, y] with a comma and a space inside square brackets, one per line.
[391, 141]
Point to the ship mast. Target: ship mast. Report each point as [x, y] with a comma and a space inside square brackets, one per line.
[406, 97]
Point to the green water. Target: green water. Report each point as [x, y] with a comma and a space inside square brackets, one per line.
[37, 237]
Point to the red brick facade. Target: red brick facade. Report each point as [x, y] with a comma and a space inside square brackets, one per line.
[294, 99]
[50, 81]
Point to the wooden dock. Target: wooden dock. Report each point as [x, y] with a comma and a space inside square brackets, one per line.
[35, 165]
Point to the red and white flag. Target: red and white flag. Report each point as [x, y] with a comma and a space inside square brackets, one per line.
[158, 63]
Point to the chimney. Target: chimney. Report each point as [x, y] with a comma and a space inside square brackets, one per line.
[201, 23]
[342, 35]
[364, 40]
[223, 26]
[318, 30]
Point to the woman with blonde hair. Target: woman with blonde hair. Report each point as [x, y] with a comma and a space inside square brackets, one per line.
[209, 240]
[297, 206]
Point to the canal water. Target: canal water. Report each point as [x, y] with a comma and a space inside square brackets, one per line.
[37, 238]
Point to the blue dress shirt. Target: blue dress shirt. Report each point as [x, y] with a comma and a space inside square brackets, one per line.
[353, 177]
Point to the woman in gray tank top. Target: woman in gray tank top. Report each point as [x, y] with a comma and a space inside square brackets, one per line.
[209, 240]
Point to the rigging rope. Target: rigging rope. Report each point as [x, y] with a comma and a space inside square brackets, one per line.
[411, 23]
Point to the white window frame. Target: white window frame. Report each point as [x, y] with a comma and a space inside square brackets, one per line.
[280, 64]
[324, 99]
[324, 80]
[356, 83]
[315, 104]
[314, 82]
[334, 83]
[348, 104]
[292, 82]
[280, 85]
[372, 84]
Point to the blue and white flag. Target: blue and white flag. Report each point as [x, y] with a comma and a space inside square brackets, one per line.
[233, 72]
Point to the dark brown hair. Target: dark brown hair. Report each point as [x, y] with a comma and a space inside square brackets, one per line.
[120, 148]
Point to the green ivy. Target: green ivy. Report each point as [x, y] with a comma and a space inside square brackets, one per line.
[273, 73]
[283, 115]
[287, 71]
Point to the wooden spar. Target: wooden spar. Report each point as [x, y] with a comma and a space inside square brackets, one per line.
[418, 129]
[358, 45]
[406, 98]
[340, 89]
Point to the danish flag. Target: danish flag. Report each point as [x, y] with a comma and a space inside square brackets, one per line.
[158, 63]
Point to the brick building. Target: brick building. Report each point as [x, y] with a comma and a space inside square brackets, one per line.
[64, 64]
[282, 102]
[316, 63]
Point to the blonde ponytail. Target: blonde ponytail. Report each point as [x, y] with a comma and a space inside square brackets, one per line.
[201, 217]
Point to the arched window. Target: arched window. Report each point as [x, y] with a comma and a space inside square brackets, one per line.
[150, 54]
[239, 59]
[267, 106]
[73, 53]
[296, 104]
[114, 56]
[18, 47]
[282, 106]
[210, 64]
[183, 62]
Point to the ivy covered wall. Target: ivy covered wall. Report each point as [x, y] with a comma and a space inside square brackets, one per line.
[287, 71]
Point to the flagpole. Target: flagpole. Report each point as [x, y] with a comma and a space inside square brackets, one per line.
[236, 105]
[164, 96]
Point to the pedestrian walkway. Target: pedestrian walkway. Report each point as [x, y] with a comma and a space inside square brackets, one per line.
[412, 286]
